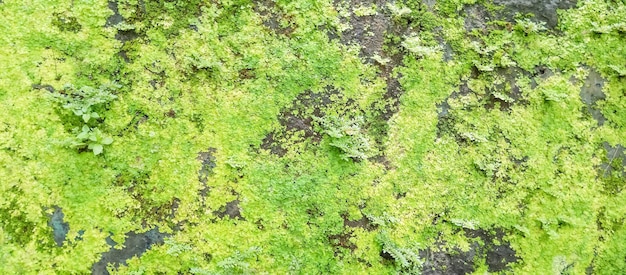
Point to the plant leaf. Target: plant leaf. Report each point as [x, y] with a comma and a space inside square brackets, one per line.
[107, 140]
[97, 148]
[82, 135]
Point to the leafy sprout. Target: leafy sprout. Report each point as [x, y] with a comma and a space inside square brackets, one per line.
[93, 138]
[85, 101]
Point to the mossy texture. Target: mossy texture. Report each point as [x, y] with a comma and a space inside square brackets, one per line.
[291, 137]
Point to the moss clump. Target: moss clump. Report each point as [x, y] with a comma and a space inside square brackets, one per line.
[462, 125]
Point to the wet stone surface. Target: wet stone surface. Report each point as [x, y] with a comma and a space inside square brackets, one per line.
[364, 223]
[489, 246]
[371, 32]
[541, 11]
[135, 245]
[448, 263]
[115, 19]
[367, 31]
[230, 210]
[497, 252]
[613, 169]
[273, 18]
[476, 17]
[591, 92]
[59, 227]
[208, 163]
[296, 119]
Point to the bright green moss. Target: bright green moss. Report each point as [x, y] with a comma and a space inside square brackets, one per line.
[490, 134]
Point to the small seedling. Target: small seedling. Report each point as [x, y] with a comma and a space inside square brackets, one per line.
[85, 101]
[93, 138]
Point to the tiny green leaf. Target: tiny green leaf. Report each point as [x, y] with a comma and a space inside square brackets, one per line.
[107, 140]
[83, 135]
[97, 148]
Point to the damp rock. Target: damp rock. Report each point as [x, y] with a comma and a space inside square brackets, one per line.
[208, 161]
[295, 120]
[591, 92]
[498, 253]
[439, 262]
[542, 10]
[476, 17]
[231, 210]
[135, 245]
[59, 227]
[116, 17]
[367, 31]
[364, 223]
[125, 32]
[273, 17]
[613, 168]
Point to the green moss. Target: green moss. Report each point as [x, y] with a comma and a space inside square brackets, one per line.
[493, 137]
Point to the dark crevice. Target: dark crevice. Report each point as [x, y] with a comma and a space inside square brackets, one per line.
[46, 87]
